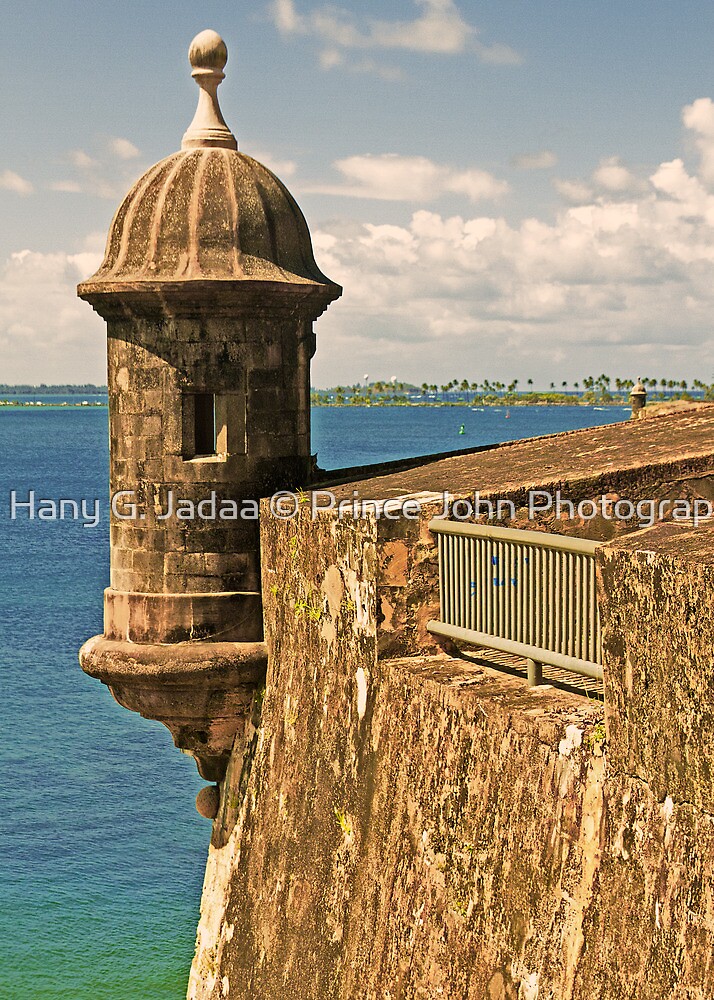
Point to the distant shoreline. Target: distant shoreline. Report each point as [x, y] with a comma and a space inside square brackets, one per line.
[478, 405]
[10, 403]
[86, 389]
[16, 404]
[598, 396]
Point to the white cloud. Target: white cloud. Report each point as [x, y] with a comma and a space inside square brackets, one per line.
[574, 192]
[389, 177]
[83, 161]
[46, 332]
[329, 58]
[440, 28]
[535, 161]
[616, 178]
[10, 181]
[68, 187]
[123, 148]
[610, 179]
[283, 168]
[624, 278]
[94, 243]
[285, 17]
[109, 174]
[699, 118]
[497, 54]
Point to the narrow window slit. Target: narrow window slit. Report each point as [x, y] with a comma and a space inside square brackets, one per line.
[204, 423]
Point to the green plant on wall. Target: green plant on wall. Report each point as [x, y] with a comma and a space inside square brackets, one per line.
[343, 822]
[312, 610]
[597, 736]
[462, 907]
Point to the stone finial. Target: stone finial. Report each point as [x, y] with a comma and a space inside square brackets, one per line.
[208, 55]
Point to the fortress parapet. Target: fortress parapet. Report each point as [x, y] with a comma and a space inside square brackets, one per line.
[209, 289]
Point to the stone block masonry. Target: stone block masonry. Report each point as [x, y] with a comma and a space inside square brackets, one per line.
[419, 827]
[210, 289]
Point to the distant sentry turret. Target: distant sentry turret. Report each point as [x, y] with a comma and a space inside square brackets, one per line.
[209, 288]
[638, 398]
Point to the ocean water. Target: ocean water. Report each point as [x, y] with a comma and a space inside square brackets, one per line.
[360, 435]
[101, 849]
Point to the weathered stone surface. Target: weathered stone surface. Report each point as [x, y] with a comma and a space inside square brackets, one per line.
[210, 288]
[208, 801]
[422, 828]
[203, 692]
[208, 213]
[196, 578]
[657, 608]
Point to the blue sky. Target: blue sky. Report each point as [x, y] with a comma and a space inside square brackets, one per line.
[505, 189]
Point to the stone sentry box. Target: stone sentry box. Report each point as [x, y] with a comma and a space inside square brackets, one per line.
[209, 289]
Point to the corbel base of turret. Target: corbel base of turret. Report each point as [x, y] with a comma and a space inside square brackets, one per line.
[203, 692]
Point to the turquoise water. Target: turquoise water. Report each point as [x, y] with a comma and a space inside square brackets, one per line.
[102, 852]
[102, 849]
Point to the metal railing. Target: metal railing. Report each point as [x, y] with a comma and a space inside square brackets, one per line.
[528, 593]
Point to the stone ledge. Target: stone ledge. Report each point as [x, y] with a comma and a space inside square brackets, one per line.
[106, 658]
[544, 710]
[203, 692]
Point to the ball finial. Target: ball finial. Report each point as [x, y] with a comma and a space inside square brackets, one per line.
[208, 55]
[208, 51]
[208, 801]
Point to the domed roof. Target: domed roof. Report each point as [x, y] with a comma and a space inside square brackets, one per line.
[208, 212]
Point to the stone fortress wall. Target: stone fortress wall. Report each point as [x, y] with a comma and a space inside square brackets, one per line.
[407, 824]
